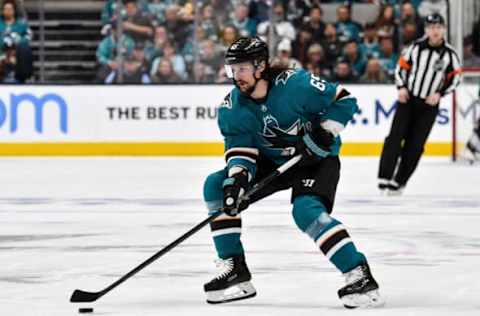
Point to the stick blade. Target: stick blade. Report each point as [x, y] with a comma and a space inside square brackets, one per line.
[79, 296]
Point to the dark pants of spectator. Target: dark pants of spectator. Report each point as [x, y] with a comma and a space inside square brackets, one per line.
[24, 67]
[411, 126]
[102, 73]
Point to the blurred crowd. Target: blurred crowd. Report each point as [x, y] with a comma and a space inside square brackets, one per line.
[16, 60]
[168, 41]
[184, 41]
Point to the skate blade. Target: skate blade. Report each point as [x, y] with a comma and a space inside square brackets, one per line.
[398, 192]
[237, 292]
[370, 299]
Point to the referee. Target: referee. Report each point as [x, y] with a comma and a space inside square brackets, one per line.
[426, 71]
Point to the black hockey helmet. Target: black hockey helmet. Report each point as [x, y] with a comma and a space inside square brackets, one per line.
[435, 18]
[247, 49]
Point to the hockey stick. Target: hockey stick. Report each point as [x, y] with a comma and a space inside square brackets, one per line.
[79, 296]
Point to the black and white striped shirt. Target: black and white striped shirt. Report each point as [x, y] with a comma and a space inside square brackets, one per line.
[425, 70]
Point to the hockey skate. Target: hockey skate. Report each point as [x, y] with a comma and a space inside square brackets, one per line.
[361, 289]
[394, 189]
[470, 153]
[383, 186]
[232, 283]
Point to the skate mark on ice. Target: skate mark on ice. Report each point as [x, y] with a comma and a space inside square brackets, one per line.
[22, 279]
[27, 238]
[26, 201]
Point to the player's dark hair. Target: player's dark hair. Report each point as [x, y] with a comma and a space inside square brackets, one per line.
[273, 71]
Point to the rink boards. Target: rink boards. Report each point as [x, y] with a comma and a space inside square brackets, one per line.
[169, 120]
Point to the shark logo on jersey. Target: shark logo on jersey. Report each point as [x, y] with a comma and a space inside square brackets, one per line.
[270, 123]
[284, 76]
[227, 102]
[281, 139]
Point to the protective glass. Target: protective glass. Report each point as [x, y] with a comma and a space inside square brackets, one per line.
[239, 69]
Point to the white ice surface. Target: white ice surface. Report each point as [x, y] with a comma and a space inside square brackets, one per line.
[68, 223]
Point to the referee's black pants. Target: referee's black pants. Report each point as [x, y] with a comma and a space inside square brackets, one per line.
[411, 126]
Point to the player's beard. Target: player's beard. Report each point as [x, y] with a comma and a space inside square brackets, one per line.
[245, 88]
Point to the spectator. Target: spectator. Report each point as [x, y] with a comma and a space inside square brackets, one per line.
[409, 15]
[284, 56]
[416, 3]
[221, 10]
[347, 29]
[136, 23]
[203, 74]
[353, 56]
[370, 47]
[282, 28]
[228, 36]
[298, 10]
[469, 58]
[409, 33]
[143, 5]
[343, 73]
[108, 11]
[159, 41]
[156, 10]
[315, 24]
[245, 25]
[316, 58]
[177, 62]
[165, 73]
[210, 58]
[388, 57]
[301, 44]
[333, 48]
[135, 68]
[178, 28]
[17, 29]
[107, 52]
[386, 23]
[374, 73]
[209, 23]
[259, 10]
[192, 45]
[8, 61]
[109, 14]
[222, 76]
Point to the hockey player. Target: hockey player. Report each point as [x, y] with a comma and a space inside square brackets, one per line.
[471, 152]
[270, 115]
[472, 149]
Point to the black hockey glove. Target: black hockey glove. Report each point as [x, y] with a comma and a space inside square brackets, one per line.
[314, 146]
[233, 188]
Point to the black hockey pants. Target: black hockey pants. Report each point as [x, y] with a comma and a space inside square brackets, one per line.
[411, 126]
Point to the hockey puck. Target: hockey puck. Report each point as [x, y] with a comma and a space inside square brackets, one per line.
[85, 310]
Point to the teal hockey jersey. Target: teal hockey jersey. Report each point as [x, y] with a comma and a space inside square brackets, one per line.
[296, 103]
